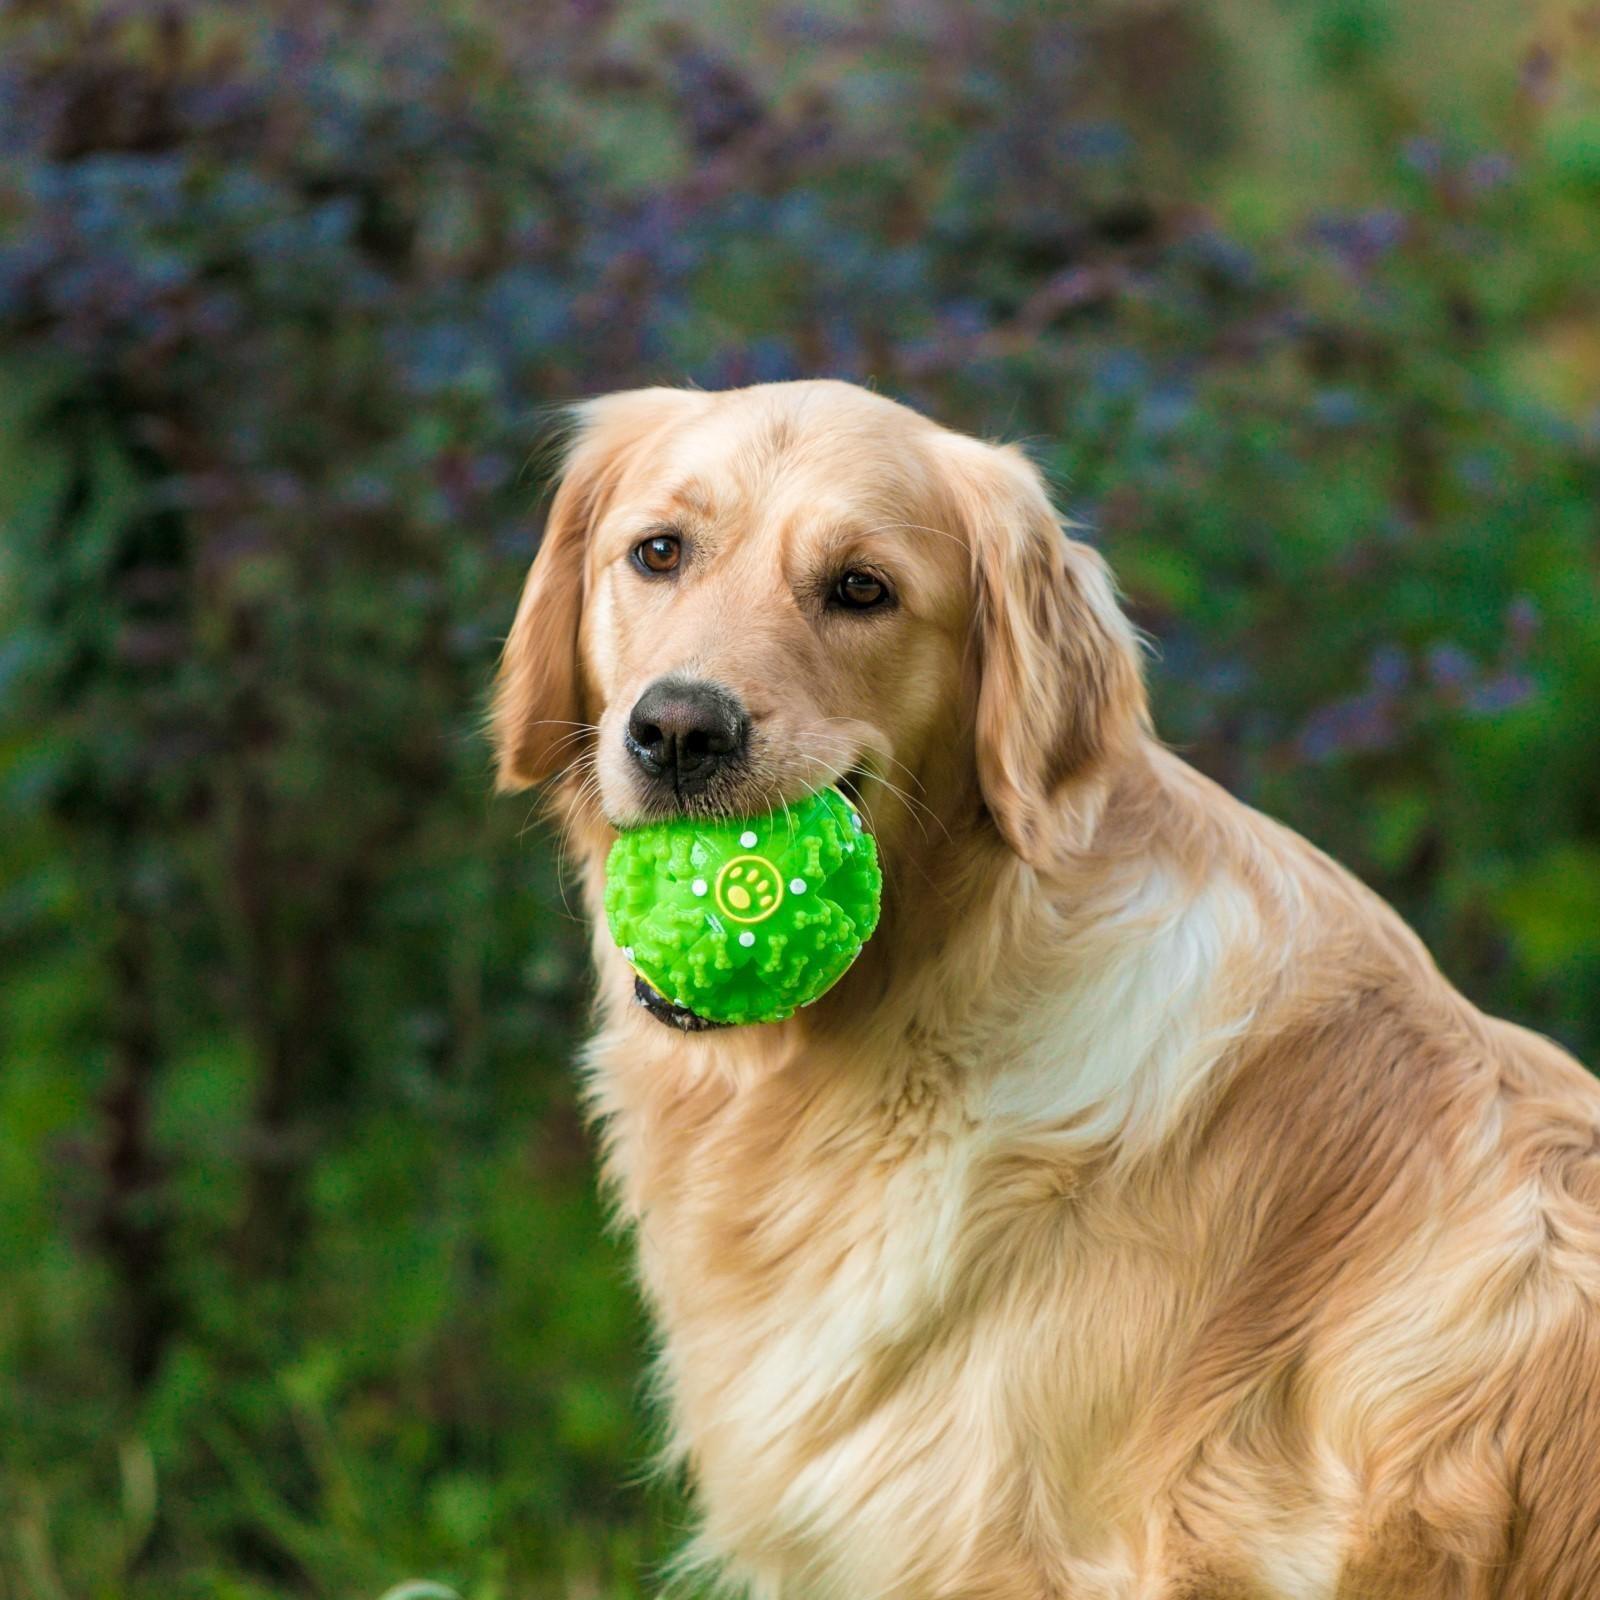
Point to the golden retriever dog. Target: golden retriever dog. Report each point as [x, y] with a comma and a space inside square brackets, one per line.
[1143, 1215]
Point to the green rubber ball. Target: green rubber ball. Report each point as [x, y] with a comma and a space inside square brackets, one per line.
[745, 921]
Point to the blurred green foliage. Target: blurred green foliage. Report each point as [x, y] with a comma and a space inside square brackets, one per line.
[307, 1287]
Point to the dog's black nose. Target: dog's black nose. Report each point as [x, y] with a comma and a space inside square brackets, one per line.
[683, 733]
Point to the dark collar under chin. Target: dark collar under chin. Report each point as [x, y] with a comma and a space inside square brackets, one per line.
[674, 1016]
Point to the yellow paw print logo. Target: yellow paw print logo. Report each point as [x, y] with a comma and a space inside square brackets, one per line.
[748, 889]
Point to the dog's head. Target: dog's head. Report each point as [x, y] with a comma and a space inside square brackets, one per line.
[744, 596]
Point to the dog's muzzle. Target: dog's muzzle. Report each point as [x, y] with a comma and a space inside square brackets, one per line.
[674, 1016]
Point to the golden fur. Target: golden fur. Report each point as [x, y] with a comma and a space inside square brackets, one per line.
[1143, 1216]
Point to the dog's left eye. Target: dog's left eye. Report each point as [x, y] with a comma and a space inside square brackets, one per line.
[658, 554]
[859, 591]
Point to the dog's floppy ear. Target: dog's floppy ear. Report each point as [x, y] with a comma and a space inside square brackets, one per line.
[1060, 691]
[538, 699]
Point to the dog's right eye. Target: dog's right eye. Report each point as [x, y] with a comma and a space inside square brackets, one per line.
[660, 553]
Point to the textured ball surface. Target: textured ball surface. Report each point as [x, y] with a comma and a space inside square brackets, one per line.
[745, 921]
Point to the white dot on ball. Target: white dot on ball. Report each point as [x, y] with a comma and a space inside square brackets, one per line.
[747, 839]
[699, 885]
[797, 886]
[855, 817]
[747, 938]
[627, 952]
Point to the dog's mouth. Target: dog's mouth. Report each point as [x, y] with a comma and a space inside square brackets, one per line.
[721, 799]
[852, 783]
[720, 804]
[668, 1012]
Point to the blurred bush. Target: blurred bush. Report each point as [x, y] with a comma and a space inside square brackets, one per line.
[306, 1286]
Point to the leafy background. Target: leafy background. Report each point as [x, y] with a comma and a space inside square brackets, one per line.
[306, 1290]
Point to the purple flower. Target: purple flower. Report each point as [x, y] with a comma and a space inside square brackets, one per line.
[1522, 622]
[1503, 692]
[1490, 171]
[1450, 668]
[1423, 155]
[1363, 722]
[1389, 669]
